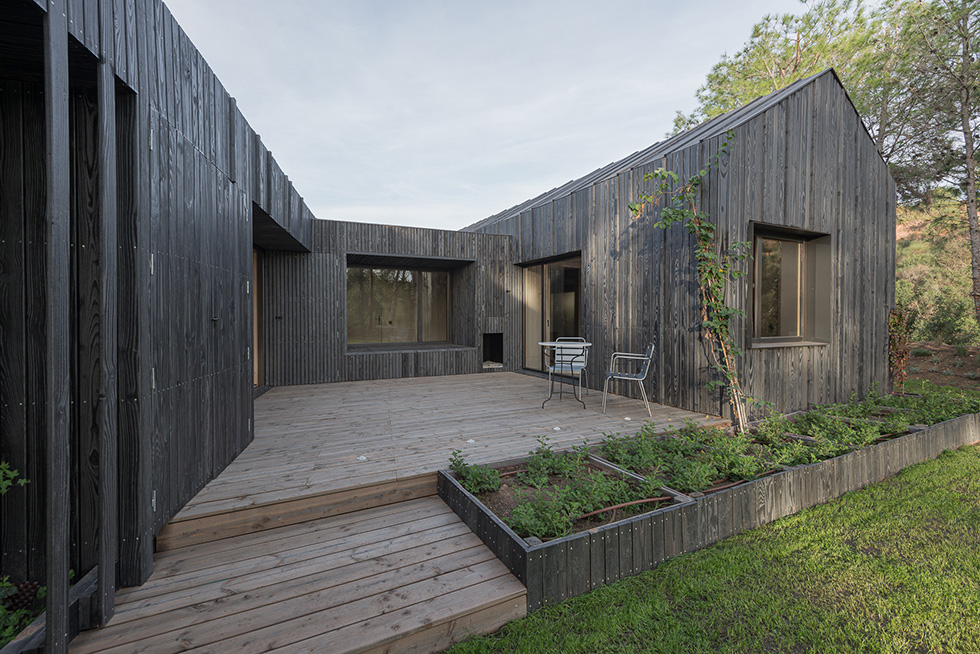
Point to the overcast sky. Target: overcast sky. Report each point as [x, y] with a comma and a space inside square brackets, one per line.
[439, 113]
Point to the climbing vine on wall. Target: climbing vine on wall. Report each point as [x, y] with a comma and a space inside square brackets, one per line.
[716, 268]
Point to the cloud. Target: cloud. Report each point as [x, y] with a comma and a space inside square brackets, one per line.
[440, 113]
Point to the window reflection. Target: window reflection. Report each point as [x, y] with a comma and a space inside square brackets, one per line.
[778, 287]
[390, 305]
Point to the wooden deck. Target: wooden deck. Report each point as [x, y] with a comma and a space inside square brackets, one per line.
[404, 577]
[328, 449]
[323, 535]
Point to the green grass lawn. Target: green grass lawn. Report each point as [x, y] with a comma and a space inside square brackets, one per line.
[891, 568]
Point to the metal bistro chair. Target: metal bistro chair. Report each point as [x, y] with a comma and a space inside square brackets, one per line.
[567, 360]
[574, 339]
[638, 376]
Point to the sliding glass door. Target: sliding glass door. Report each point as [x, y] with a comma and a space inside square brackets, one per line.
[552, 305]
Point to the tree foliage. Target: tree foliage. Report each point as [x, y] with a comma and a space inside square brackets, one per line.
[932, 270]
[912, 70]
[942, 45]
[865, 47]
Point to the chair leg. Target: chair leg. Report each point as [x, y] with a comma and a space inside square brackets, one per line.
[551, 388]
[605, 388]
[645, 401]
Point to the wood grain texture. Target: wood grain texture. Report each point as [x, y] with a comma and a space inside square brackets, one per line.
[136, 181]
[405, 429]
[389, 578]
[57, 300]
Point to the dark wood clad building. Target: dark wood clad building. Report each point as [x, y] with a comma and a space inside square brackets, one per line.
[157, 267]
[315, 309]
[132, 191]
[803, 184]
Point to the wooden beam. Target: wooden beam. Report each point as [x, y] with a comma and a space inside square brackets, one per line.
[108, 396]
[56, 326]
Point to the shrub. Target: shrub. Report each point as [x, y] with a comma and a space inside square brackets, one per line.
[962, 350]
[544, 514]
[474, 478]
[921, 352]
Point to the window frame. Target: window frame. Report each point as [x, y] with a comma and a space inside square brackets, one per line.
[419, 318]
[815, 287]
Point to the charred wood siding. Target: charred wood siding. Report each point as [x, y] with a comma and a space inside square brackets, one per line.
[801, 160]
[125, 284]
[305, 298]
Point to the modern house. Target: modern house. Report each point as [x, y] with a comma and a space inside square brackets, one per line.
[157, 267]
[804, 185]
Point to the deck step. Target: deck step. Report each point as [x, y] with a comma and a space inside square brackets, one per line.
[406, 577]
[203, 523]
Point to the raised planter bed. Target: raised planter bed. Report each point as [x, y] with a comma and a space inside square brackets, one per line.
[575, 564]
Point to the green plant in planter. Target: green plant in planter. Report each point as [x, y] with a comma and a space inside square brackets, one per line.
[544, 461]
[792, 453]
[545, 514]
[730, 454]
[594, 490]
[933, 406]
[770, 431]
[835, 436]
[474, 478]
[690, 475]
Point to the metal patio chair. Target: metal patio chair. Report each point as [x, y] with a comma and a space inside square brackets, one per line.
[638, 376]
[573, 339]
[567, 361]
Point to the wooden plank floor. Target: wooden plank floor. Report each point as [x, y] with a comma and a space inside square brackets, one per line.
[404, 577]
[321, 450]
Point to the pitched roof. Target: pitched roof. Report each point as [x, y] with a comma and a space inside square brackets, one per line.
[706, 130]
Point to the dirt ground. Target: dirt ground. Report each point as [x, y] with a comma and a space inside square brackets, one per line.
[940, 364]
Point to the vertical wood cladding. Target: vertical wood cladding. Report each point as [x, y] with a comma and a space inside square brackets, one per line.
[305, 297]
[161, 174]
[799, 159]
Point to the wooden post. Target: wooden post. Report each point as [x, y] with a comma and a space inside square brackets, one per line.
[56, 325]
[108, 396]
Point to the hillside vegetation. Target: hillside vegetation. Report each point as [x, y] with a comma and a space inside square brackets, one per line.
[932, 271]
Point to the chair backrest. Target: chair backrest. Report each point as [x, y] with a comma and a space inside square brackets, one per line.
[646, 364]
[571, 354]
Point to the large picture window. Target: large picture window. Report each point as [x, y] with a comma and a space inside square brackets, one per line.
[791, 287]
[395, 305]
